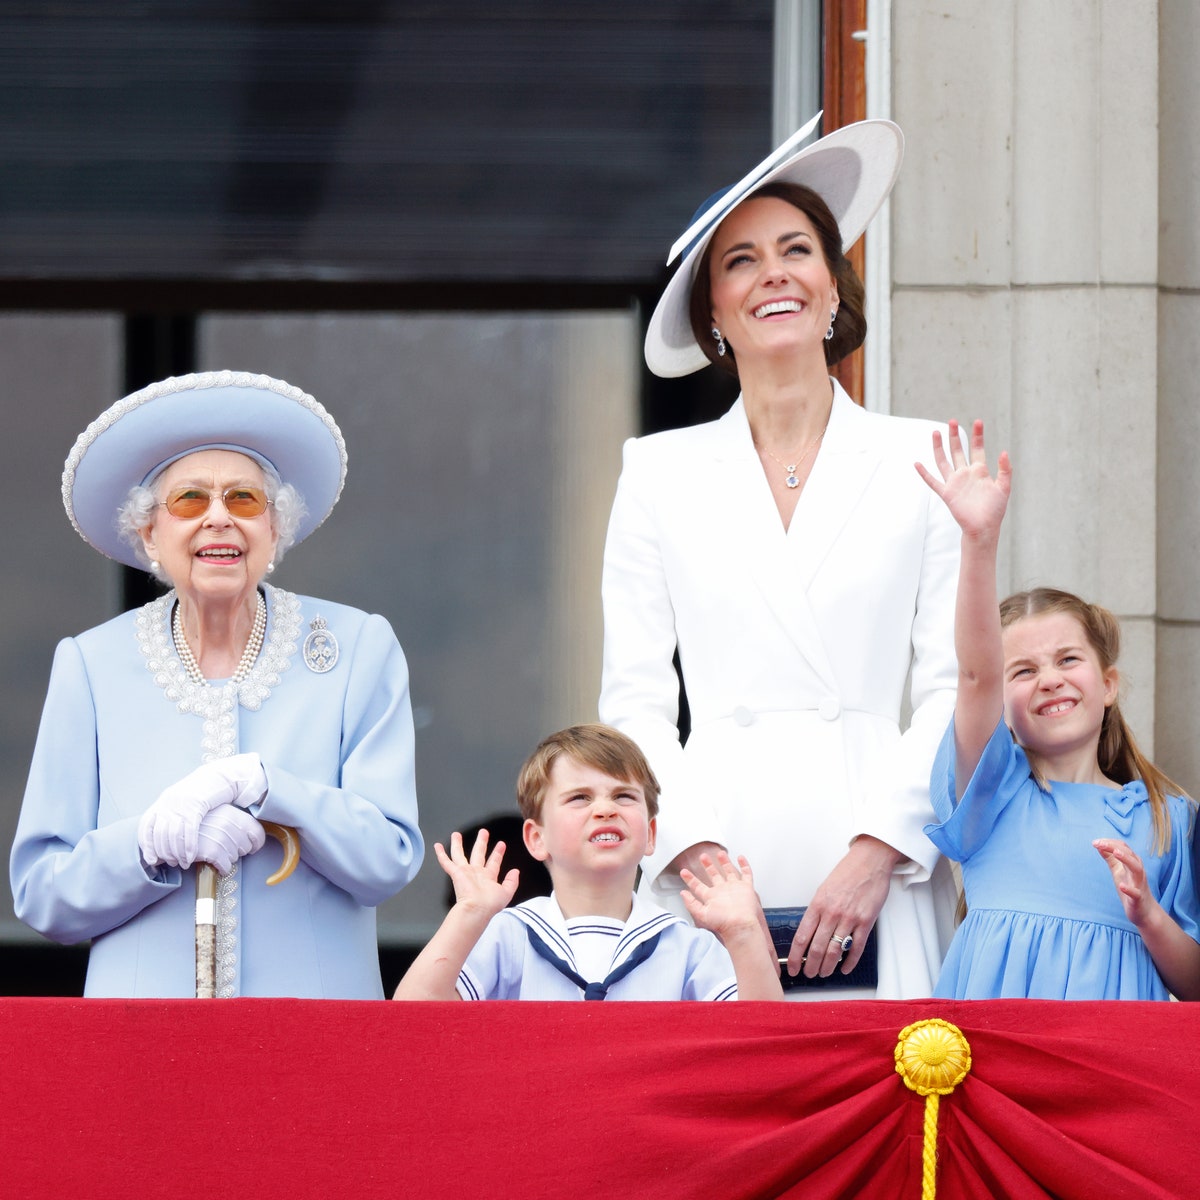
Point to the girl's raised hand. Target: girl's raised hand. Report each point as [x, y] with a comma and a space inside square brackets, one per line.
[975, 500]
[1129, 875]
[477, 882]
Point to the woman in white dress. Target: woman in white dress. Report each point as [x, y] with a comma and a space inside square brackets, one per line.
[792, 557]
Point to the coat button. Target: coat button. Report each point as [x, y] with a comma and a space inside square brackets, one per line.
[743, 716]
[829, 709]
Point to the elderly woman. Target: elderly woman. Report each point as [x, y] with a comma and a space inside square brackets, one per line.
[170, 733]
[789, 554]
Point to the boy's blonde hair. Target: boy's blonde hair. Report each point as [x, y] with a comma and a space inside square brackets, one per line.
[598, 746]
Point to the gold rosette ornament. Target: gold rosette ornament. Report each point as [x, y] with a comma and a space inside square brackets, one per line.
[933, 1058]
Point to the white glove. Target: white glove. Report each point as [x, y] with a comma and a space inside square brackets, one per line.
[170, 828]
[226, 834]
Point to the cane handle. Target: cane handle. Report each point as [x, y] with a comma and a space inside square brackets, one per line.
[290, 841]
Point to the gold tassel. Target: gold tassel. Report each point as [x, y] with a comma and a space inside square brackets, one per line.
[933, 1058]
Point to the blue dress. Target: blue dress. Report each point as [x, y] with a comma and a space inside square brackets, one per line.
[1044, 917]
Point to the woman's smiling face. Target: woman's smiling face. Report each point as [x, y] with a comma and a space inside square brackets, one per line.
[213, 554]
[772, 289]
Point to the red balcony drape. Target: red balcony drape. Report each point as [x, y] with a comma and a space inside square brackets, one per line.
[301, 1099]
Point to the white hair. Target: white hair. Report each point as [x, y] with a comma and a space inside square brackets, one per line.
[287, 510]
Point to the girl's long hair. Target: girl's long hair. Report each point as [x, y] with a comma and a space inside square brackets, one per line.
[1118, 753]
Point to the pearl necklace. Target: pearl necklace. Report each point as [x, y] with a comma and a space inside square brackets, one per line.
[249, 655]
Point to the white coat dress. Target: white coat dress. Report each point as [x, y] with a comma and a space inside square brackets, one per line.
[796, 646]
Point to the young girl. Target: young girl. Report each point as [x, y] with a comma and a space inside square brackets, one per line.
[1042, 793]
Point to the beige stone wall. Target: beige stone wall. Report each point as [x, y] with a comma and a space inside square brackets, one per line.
[1030, 288]
[1178, 450]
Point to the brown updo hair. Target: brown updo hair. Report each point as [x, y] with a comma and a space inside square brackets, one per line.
[851, 325]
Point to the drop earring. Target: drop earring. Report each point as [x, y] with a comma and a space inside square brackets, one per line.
[832, 318]
[720, 342]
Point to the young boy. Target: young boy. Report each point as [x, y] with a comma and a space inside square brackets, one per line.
[589, 800]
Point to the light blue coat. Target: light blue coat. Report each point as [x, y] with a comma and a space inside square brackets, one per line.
[338, 753]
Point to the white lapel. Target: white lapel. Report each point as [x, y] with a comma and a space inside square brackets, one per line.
[844, 466]
[783, 563]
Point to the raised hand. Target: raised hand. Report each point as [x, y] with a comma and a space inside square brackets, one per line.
[1175, 953]
[479, 894]
[728, 906]
[975, 500]
[1129, 876]
[727, 902]
[477, 883]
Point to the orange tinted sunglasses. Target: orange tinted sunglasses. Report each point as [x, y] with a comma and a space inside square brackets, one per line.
[239, 501]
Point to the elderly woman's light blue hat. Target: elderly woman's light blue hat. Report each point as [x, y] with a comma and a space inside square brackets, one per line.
[852, 169]
[128, 444]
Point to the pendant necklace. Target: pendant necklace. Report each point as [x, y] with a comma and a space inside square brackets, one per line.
[793, 480]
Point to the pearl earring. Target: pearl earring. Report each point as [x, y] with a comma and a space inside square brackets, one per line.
[270, 567]
[154, 565]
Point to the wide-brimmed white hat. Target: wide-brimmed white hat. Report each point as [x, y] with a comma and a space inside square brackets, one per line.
[852, 169]
[129, 443]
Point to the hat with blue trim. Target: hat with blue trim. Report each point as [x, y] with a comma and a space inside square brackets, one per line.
[852, 169]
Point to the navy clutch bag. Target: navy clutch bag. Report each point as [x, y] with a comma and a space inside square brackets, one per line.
[783, 922]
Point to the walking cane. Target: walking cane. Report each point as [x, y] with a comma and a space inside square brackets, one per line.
[206, 906]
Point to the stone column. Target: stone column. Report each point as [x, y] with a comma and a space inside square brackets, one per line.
[1025, 268]
[1178, 480]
